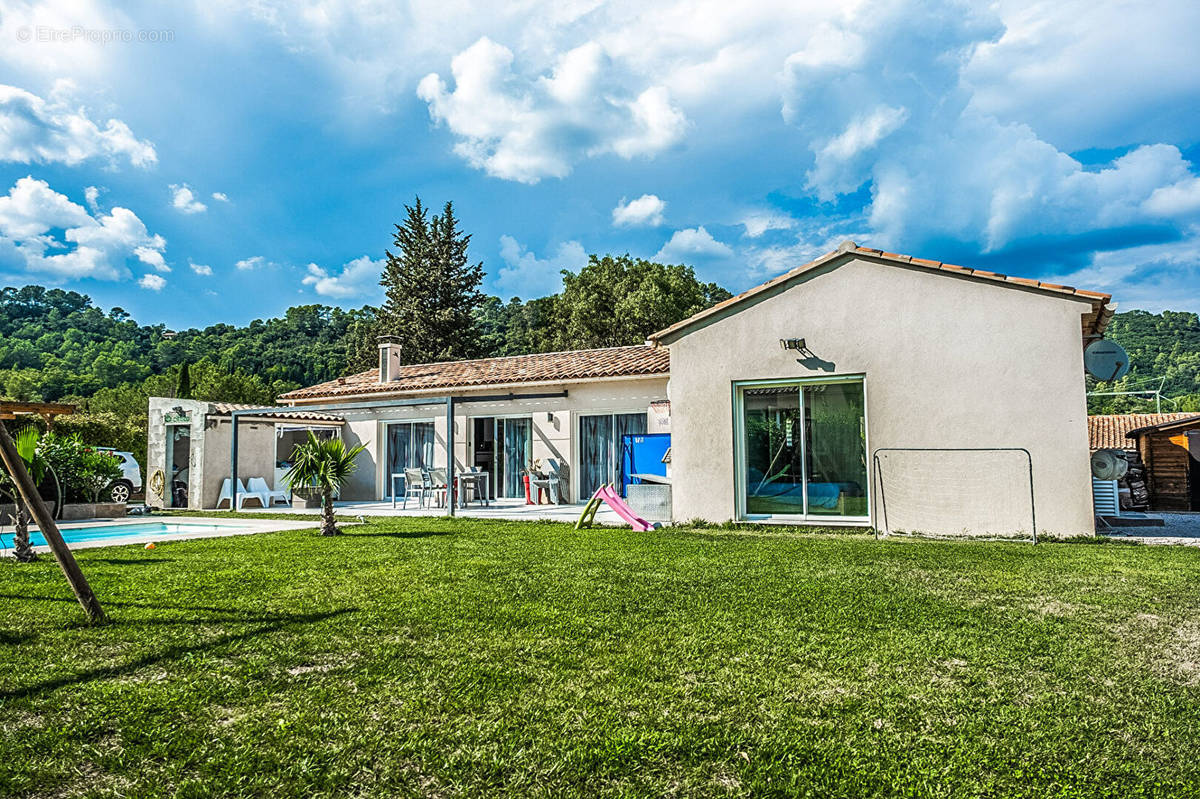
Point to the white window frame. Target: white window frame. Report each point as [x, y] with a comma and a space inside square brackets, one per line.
[382, 481]
[577, 440]
[739, 453]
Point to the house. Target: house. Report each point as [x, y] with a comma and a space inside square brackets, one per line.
[862, 388]
[1167, 445]
[867, 387]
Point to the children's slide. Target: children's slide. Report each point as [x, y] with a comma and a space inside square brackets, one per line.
[608, 494]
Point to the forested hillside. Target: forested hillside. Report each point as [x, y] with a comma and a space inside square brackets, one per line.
[1164, 354]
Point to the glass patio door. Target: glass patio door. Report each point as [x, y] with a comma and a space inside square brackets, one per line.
[514, 445]
[409, 446]
[600, 438]
[803, 450]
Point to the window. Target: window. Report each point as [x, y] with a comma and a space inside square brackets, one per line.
[409, 446]
[802, 450]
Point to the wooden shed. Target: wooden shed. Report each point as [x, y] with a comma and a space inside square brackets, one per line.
[1163, 446]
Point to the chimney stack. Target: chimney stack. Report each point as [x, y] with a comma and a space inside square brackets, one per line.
[389, 358]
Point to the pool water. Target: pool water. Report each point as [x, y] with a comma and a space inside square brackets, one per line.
[148, 529]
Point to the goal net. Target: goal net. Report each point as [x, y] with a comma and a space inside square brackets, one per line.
[983, 493]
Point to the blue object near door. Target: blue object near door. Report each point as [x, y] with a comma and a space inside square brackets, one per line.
[643, 453]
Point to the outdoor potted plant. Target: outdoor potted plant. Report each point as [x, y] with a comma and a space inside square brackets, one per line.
[306, 497]
[324, 465]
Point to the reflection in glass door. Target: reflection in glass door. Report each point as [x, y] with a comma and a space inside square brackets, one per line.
[514, 451]
[600, 438]
[804, 450]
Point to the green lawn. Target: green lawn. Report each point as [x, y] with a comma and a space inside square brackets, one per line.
[460, 657]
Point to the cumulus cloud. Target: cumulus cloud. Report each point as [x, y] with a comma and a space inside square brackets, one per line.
[183, 199]
[220, 196]
[526, 275]
[38, 131]
[253, 262]
[645, 211]
[92, 196]
[32, 216]
[690, 243]
[204, 270]
[152, 282]
[358, 278]
[529, 128]
[756, 223]
[938, 166]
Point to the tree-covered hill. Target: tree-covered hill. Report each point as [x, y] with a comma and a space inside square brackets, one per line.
[1164, 354]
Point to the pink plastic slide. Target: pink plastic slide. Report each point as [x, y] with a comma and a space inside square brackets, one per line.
[610, 495]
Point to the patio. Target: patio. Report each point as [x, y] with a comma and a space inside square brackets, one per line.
[507, 509]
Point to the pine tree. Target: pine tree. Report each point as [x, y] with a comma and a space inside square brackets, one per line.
[431, 289]
[183, 389]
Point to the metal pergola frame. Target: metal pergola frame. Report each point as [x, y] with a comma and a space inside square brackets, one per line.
[449, 401]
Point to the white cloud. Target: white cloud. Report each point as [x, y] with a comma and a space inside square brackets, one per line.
[220, 196]
[528, 128]
[92, 195]
[183, 199]
[527, 276]
[757, 223]
[204, 270]
[938, 166]
[253, 262]
[690, 243]
[358, 278]
[1177, 200]
[646, 210]
[152, 282]
[37, 131]
[90, 246]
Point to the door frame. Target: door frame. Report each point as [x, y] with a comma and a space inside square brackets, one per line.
[739, 453]
[382, 482]
[577, 443]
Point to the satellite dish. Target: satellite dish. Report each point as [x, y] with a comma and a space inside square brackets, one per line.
[1105, 360]
[1108, 464]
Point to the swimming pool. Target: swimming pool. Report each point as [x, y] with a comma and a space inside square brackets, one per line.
[119, 532]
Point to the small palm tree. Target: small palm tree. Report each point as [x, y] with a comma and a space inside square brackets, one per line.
[26, 441]
[326, 465]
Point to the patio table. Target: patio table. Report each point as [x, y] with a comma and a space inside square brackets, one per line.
[478, 481]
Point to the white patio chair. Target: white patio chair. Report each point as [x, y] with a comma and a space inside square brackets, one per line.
[226, 494]
[258, 485]
[437, 486]
[551, 482]
[414, 486]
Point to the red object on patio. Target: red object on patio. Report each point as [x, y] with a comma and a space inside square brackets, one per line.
[528, 498]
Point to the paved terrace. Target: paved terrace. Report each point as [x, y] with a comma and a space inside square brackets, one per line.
[508, 509]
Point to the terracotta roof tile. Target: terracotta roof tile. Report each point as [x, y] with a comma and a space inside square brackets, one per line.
[225, 408]
[1109, 431]
[547, 367]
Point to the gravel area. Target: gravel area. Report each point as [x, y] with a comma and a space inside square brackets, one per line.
[1178, 528]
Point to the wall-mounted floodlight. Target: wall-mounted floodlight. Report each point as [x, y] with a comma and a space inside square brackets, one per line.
[792, 344]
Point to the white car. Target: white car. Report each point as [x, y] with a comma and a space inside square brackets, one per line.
[130, 480]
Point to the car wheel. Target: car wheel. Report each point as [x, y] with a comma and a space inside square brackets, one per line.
[120, 491]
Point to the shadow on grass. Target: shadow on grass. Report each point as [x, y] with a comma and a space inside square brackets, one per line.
[229, 614]
[399, 534]
[277, 623]
[130, 561]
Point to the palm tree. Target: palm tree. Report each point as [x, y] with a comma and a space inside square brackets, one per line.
[26, 441]
[326, 465]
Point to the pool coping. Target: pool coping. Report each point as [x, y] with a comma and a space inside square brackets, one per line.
[241, 526]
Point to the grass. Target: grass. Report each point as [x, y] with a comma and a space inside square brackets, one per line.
[462, 657]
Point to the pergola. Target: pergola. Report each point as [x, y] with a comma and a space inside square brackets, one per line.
[448, 401]
[46, 410]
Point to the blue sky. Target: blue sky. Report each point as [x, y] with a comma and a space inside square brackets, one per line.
[221, 161]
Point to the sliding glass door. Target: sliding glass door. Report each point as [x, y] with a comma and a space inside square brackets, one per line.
[600, 438]
[409, 446]
[514, 452]
[802, 450]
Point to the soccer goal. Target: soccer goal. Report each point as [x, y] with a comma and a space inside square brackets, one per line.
[984, 492]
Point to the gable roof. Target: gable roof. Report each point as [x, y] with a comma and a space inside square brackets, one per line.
[546, 367]
[1116, 431]
[1094, 321]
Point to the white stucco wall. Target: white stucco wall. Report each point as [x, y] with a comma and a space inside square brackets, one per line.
[948, 362]
[554, 423]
